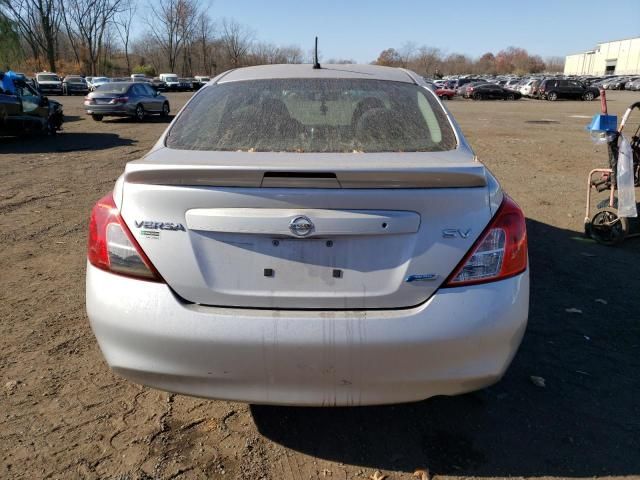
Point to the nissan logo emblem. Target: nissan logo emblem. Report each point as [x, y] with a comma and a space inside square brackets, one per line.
[301, 226]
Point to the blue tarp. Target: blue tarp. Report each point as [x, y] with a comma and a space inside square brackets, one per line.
[7, 82]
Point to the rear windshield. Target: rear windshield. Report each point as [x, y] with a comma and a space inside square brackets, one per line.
[313, 115]
[75, 80]
[48, 78]
[113, 88]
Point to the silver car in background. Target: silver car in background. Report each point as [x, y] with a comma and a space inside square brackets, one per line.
[309, 237]
[95, 82]
[125, 99]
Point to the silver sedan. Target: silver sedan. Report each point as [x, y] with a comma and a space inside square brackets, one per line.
[309, 236]
[125, 99]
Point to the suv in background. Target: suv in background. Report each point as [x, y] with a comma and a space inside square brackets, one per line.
[553, 89]
[49, 83]
[201, 81]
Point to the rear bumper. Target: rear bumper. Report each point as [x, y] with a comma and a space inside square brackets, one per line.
[460, 340]
[109, 110]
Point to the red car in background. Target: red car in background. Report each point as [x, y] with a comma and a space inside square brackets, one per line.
[445, 93]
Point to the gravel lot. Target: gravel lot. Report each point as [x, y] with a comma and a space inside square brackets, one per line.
[63, 414]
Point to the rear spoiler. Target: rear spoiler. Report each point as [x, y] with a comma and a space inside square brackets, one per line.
[460, 177]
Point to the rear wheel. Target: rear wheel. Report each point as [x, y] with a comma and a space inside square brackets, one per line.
[588, 96]
[477, 96]
[511, 96]
[552, 96]
[97, 118]
[607, 228]
[140, 113]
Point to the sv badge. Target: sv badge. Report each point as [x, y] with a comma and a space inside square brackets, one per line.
[456, 233]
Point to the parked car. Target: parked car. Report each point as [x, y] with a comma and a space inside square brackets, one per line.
[24, 110]
[201, 81]
[171, 80]
[185, 84]
[530, 88]
[445, 93]
[635, 85]
[125, 99]
[618, 83]
[158, 84]
[465, 90]
[629, 83]
[270, 249]
[97, 81]
[489, 91]
[74, 84]
[460, 82]
[553, 89]
[511, 84]
[49, 83]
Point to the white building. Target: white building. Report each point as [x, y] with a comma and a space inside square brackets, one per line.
[620, 57]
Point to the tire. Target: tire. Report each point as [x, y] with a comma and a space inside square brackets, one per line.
[165, 110]
[97, 118]
[477, 96]
[511, 96]
[607, 228]
[552, 96]
[588, 96]
[140, 113]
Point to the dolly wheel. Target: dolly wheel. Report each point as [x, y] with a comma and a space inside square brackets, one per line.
[607, 228]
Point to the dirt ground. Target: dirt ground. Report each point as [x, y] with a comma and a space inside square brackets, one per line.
[63, 414]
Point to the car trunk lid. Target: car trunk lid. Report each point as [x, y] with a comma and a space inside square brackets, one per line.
[266, 230]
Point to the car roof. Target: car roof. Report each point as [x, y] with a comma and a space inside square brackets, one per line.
[266, 72]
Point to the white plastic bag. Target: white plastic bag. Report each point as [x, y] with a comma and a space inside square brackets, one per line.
[626, 189]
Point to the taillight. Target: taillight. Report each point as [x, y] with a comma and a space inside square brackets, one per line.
[88, 99]
[112, 246]
[499, 253]
[120, 100]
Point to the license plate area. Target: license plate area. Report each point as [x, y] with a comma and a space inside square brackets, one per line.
[272, 266]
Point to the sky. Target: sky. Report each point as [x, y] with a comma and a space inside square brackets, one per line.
[360, 30]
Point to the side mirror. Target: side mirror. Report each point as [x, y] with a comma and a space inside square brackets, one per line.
[44, 101]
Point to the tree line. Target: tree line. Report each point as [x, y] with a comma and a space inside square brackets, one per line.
[97, 37]
[432, 62]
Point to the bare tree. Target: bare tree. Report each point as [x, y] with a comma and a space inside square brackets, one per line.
[88, 21]
[205, 34]
[406, 53]
[237, 40]
[38, 22]
[122, 22]
[425, 61]
[172, 22]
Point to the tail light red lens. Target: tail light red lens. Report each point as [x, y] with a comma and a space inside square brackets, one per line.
[120, 100]
[499, 253]
[112, 246]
